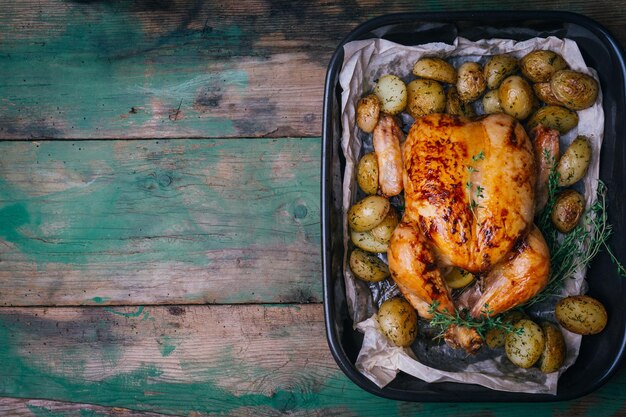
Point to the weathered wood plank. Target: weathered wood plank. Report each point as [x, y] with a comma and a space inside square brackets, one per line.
[153, 222]
[189, 68]
[18, 407]
[212, 360]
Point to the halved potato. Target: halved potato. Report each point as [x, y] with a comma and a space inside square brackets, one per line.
[391, 91]
[495, 337]
[554, 352]
[581, 314]
[524, 348]
[435, 69]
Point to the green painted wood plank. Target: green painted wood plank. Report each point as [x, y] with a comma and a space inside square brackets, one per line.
[224, 360]
[149, 222]
[88, 69]
[17, 407]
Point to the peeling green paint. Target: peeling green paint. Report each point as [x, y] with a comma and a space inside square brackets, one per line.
[135, 313]
[166, 346]
[100, 300]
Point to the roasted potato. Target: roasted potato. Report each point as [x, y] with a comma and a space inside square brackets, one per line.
[459, 278]
[524, 348]
[567, 210]
[577, 91]
[554, 351]
[470, 82]
[581, 314]
[425, 97]
[574, 162]
[554, 117]
[435, 69]
[538, 66]
[516, 97]
[367, 112]
[455, 106]
[392, 94]
[398, 321]
[366, 214]
[495, 337]
[383, 231]
[491, 102]
[543, 91]
[498, 68]
[367, 266]
[365, 241]
[367, 173]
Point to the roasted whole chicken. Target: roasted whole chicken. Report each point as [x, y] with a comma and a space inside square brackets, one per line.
[469, 189]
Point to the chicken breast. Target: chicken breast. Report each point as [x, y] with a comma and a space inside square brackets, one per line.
[470, 187]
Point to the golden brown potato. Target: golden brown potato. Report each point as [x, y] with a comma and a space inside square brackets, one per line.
[543, 91]
[435, 69]
[577, 91]
[516, 97]
[495, 337]
[581, 314]
[367, 112]
[368, 267]
[567, 210]
[367, 213]
[367, 173]
[391, 92]
[365, 241]
[470, 82]
[498, 68]
[398, 321]
[524, 349]
[574, 162]
[554, 352]
[554, 117]
[538, 66]
[455, 106]
[491, 102]
[425, 97]
[383, 231]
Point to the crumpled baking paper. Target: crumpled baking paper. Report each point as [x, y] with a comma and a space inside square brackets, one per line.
[364, 62]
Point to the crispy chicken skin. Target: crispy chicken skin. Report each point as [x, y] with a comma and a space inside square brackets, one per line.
[470, 186]
[469, 202]
[386, 140]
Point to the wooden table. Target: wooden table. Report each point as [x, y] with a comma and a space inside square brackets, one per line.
[160, 210]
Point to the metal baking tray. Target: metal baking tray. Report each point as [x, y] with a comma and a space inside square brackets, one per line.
[600, 354]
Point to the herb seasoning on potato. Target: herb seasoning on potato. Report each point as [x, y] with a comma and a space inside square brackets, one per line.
[398, 321]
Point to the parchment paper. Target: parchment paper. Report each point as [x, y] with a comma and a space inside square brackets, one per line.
[364, 62]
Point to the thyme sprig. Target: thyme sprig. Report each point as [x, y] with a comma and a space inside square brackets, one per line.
[484, 323]
[473, 204]
[574, 251]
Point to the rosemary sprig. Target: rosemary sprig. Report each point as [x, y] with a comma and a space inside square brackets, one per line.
[444, 319]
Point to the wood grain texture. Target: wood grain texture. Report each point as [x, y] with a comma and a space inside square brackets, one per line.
[18, 407]
[95, 69]
[153, 222]
[212, 360]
